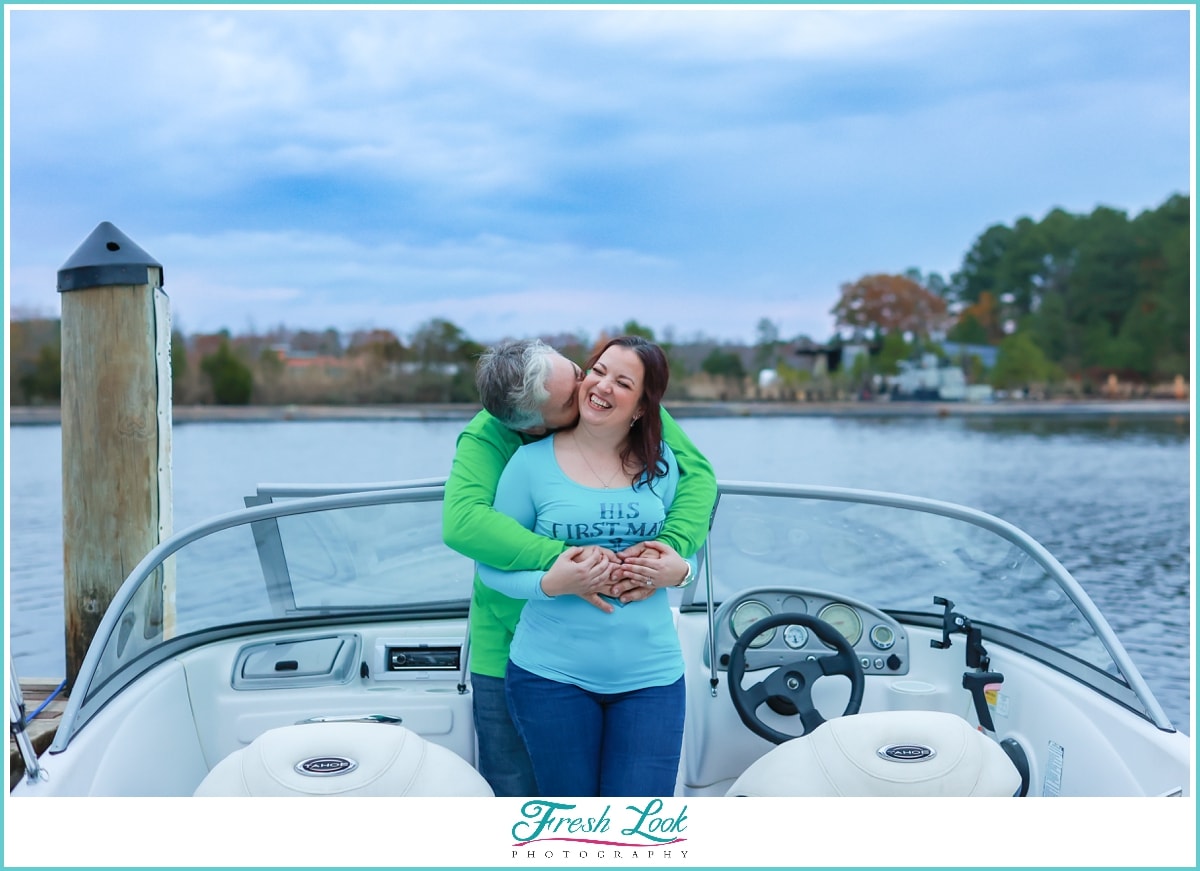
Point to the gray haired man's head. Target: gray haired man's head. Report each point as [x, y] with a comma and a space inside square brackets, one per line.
[528, 386]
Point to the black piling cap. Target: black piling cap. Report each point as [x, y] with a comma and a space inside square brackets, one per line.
[105, 258]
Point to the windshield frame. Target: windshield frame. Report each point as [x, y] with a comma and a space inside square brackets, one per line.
[282, 500]
[701, 596]
[91, 691]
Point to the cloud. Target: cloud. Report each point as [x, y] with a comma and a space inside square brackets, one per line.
[705, 166]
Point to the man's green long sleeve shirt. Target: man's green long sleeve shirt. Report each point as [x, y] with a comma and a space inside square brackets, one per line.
[471, 526]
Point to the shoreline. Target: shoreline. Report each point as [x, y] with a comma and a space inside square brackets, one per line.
[182, 414]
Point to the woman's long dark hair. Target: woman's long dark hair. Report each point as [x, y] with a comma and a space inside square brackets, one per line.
[645, 436]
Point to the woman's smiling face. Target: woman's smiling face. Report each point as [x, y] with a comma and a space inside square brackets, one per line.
[611, 391]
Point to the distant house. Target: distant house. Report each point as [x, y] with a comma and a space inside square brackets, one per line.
[818, 359]
[300, 364]
[961, 352]
[823, 359]
[927, 378]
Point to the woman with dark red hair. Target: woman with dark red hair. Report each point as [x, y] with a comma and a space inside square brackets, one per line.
[598, 695]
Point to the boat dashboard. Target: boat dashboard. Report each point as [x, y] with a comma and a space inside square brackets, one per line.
[879, 641]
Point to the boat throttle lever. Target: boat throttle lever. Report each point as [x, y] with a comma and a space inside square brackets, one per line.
[975, 682]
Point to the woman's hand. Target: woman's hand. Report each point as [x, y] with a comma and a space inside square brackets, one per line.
[582, 571]
[645, 567]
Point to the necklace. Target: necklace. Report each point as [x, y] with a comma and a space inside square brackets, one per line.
[607, 484]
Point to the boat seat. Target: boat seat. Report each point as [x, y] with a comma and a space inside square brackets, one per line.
[886, 753]
[343, 759]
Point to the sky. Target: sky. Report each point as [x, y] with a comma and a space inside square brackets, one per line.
[540, 171]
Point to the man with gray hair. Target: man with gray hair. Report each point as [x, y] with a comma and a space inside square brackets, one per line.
[516, 381]
[528, 389]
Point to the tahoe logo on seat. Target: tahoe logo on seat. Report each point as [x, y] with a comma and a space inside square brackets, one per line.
[906, 752]
[325, 766]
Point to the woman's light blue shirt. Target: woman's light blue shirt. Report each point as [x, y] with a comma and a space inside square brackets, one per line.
[565, 638]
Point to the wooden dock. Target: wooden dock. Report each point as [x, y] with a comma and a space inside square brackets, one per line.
[41, 728]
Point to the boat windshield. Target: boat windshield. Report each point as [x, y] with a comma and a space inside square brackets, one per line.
[902, 555]
[378, 553]
[369, 553]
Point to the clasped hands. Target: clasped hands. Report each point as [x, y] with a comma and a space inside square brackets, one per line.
[590, 571]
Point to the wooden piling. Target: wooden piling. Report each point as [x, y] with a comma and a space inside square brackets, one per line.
[116, 425]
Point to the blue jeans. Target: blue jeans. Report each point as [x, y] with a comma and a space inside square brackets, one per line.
[503, 760]
[598, 744]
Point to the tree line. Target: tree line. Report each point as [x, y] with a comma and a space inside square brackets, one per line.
[1069, 301]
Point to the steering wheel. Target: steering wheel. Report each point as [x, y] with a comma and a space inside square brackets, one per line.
[792, 682]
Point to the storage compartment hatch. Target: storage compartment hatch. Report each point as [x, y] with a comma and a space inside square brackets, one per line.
[327, 659]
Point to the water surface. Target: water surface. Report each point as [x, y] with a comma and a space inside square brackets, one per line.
[1110, 498]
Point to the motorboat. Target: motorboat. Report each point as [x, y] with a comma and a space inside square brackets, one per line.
[837, 642]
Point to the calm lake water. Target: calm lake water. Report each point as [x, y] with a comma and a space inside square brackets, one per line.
[1109, 497]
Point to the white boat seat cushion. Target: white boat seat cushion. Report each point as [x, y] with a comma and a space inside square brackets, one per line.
[843, 757]
[343, 759]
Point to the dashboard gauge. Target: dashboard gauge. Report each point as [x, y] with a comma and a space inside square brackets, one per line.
[844, 619]
[882, 636]
[795, 637]
[747, 614]
[794, 604]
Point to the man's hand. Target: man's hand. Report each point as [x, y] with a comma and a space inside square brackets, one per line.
[582, 571]
[644, 568]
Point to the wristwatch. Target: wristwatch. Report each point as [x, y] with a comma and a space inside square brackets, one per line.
[688, 578]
